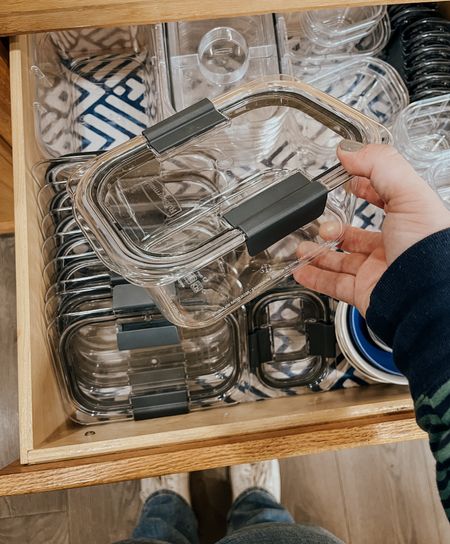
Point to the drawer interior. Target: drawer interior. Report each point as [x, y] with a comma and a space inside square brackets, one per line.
[45, 431]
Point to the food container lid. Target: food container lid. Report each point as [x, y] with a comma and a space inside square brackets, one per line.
[291, 337]
[345, 339]
[125, 200]
[119, 364]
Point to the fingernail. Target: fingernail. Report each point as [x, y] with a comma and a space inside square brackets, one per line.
[350, 145]
[329, 230]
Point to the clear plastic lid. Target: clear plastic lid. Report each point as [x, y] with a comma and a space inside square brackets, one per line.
[140, 366]
[422, 132]
[303, 58]
[97, 87]
[241, 235]
[281, 353]
[207, 58]
[333, 27]
[369, 85]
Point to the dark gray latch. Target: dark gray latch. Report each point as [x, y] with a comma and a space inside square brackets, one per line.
[321, 336]
[127, 297]
[184, 125]
[278, 211]
[146, 334]
[157, 403]
[260, 348]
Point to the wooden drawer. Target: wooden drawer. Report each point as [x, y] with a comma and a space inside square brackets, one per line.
[67, 455]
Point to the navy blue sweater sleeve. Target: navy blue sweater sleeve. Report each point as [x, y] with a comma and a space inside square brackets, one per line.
[410, 311]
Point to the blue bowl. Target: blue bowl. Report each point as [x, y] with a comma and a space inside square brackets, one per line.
[373, 354]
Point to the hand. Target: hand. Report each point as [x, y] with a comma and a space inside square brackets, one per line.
[413, 212]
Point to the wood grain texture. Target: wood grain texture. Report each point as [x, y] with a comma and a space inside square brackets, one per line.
[16, 479]
[6, 171]
[18, 17]
[6, 189]
[387, 493]
[311, 490]
[9, 420]
[5, 99]
[40, 406]
[306, 414]
[109, 512]
[38, 529]
[27, 505]
[442, 524]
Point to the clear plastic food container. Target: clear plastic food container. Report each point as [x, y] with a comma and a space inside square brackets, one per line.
[332, 27]
[422, 132]
[304, 58]
[369, 85]
[201, 259]
[115, 364]
[95, 88]
[439, 179]
[208, 58]
[291, 338]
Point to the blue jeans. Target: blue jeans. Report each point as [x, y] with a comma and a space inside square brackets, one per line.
[255, 517]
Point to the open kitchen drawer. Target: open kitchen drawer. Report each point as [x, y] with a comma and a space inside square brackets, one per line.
[61, 454]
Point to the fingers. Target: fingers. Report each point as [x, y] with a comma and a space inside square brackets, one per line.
[332, 284]
[390, 174]
[346, 263]
[362, 188]
[354, 240]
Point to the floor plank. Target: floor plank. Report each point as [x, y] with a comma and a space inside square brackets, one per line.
[109, 512]
[9, 426]
[443, 526]
[387, 494]
[311, 490]
[38, 529]
[27, 505]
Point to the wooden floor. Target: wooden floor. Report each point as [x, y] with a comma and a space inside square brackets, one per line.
[380, 494]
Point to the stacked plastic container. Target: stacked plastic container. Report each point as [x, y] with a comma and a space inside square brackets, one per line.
[174, 191]
[314, 41]
[422, 132]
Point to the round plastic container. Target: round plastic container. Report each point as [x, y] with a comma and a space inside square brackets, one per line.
[345, 336]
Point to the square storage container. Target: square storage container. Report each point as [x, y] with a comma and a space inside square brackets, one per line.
[202, 259]
[209, 58]
[292, 341]
[96, 88]
[115, 363]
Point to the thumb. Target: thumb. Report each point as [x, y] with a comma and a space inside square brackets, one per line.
[389, 173]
